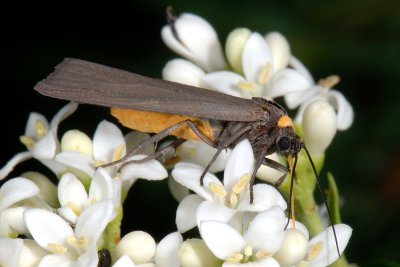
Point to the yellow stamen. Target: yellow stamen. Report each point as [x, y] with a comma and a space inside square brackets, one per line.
[248, 86]
[217, 189]
[285, 121]
[118, 152]
[329, 81]
[241, 184]
[99, 162]
[28, 141]
[265, 74]
[75, 208]
[262, 254]
[233, 200]
[315, 250]
[40, 128]
[248, 251]
[237, 257]
[82, 241]
[56, 248]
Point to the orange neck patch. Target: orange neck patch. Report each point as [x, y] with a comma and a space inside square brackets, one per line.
[284, 121]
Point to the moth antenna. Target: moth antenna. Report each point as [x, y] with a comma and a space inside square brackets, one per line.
[323, 196]
[291, 212]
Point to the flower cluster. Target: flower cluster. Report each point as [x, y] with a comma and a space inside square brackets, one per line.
[73, 222]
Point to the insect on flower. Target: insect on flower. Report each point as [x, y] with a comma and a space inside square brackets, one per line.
[187, 112]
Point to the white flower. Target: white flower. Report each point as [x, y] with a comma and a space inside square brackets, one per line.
[202, 48]
[217, 201]
[309, 92]
[15, 196]
[257, 242]
[81, 153]
[74, 199]
[40, 138]
[69, 245]
[264, 61]
[322, 250]
[166, 254]
[195, 253]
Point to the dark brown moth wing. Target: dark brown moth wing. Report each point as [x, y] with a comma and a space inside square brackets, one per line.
[92, 83]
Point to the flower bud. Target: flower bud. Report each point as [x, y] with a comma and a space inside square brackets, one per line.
[195, 39]
[195, 253]
[234, 47]
[319, 126]
[280, 50]
[139, 246]
[182, 71]
[293, 249]
[75, 140]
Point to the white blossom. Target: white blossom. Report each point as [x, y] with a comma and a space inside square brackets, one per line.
[40, 138]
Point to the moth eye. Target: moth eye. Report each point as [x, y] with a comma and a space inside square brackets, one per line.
[283, 143]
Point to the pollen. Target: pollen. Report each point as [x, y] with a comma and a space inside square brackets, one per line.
[236, 257]
[56, 248]
[265, 74]
[315, 250]
[118, 152]
[284, 121]
[28, 141]
[241, 184]
[262, 254]
[248, 86]
[82, 241]
[329, 81]
[40, 128]
[75, 208]
[248, 251]
[233, 200]
[217, 189]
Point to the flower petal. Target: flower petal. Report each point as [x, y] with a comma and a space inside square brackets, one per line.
[61, 115]
[322, 247]
[345, 113]
[167, 250]
[209, 211]
[149, 170]
[267, 262]
[266, 231]
[221, 239]
[31, 126]
[94, 220]
[14, 161]
[265, 197]
[56, 260]
[47, 228]
[10, 251]
[101, 186]
[280, 50]
[297, 65]
[71, 190]
[90, 258]
[256, 54]
[77, 160]
[124, 261]
[107, 138]
[46, 147]
[241, 162]
[188, 174]
[186, 212]
[182, 71]
[15, 190]
[223, 81]
[203, 48]
[288, 81]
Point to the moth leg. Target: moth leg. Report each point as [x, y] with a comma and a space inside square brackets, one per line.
[159, 136]
[279, 167]
[158, 154]
[223, 145]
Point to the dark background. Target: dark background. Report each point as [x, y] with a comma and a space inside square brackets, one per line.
[358, 40]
